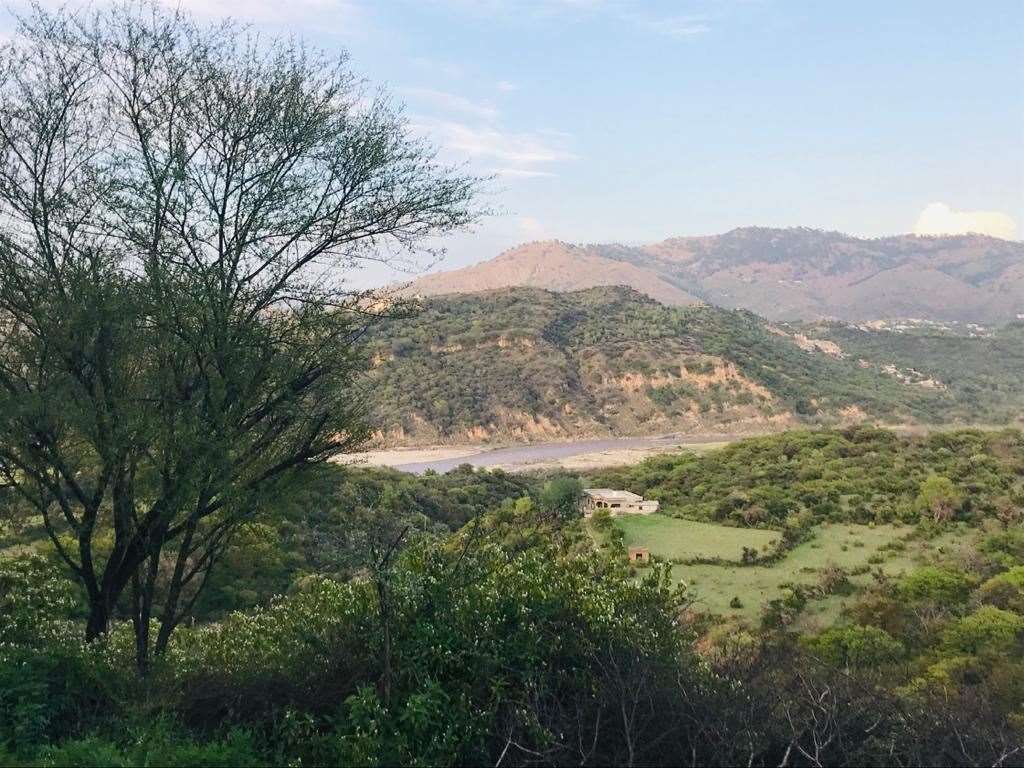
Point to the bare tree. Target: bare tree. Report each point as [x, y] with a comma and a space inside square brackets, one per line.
[179, 206]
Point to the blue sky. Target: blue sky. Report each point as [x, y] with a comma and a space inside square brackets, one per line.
[610, 120]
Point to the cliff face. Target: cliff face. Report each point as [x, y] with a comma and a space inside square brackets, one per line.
[785, 274]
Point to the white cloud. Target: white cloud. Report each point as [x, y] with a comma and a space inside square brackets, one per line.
[631, 12]
[467, 129]
[506, 153]
[450, 102]
[516, 149]
[447, 69]
[679, 27]
[505, 86]
[940, 219]
[521, 173]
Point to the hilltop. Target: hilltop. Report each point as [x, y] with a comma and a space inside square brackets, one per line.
[781, 274]
[529, 364]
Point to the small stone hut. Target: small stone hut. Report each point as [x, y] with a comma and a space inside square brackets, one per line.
[639, 555]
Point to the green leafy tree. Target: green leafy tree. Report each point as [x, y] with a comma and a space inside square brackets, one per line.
[988, 629]
[603, 520]
[180, 206]
[562, 496]
[939, 585]
[856, 647]
[1005, 590]
[939, 497]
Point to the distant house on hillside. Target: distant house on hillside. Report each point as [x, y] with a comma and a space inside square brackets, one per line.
[616, 502]
[639, 555]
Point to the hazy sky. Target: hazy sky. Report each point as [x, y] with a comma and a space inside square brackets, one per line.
[634, 121]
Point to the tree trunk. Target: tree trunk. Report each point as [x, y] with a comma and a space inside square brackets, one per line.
[142, 592]
[99, 620]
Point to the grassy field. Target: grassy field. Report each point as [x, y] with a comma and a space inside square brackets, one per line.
[714, 586]
[672, 538]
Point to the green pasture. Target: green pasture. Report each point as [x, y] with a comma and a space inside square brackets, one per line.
[672, 538]
[713, 586]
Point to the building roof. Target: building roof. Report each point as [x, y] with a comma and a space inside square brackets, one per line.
[607, 494]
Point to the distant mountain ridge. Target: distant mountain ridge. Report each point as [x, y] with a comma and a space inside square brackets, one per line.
[781, 274]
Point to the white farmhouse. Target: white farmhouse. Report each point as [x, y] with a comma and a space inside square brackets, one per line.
[616, 502]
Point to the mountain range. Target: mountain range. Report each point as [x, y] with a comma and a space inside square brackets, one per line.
[780, 274]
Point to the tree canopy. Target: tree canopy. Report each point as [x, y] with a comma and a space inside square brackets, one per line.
[181, 205]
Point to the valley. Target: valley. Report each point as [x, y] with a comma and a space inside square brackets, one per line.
[295, 471]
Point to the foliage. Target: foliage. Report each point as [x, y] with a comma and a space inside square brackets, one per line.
[506, 641]
[859, 475]
[37, 602]
[983, 374]
[856, 646]
[988, 629]
[1005, 590]
[173, 351]
[938, 585]
[939, 498]
[526, 363]
[562, 495]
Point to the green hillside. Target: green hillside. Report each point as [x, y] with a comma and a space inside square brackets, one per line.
[984, 373]
[528, 364]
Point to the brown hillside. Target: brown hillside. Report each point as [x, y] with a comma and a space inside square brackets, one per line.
[783, 274]
[555, 266]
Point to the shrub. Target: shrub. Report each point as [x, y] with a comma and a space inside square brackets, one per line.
[987, 630]
[939, 498]
[1005, 591]
[37, 603]
[90, 752]
[939, 585]
[856, 647]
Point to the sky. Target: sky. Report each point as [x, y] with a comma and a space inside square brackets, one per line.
[620, 121]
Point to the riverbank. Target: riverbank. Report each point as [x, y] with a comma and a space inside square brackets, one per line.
[578, 455]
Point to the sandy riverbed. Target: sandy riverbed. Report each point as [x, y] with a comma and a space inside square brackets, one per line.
[393, 457]
[581, 455]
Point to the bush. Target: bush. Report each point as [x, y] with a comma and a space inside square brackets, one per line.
[1005, 591]
[856, 647]
[939, 498]
[90, 752]
[939, 585]
[987, 630]
[37, 603]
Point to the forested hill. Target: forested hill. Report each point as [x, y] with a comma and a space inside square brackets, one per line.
[530, 364]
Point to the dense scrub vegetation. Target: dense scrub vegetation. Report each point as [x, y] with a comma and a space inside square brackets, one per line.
[985, 371]
[488, 628]
[860, 475]
[323, 527]
[513, 643]
[529, 363]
